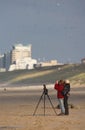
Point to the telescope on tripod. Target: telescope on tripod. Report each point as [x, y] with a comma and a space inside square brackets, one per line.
[44, 94]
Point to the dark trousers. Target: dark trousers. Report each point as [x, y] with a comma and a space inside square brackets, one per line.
[66, 105]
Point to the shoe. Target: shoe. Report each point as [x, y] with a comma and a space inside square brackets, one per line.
[66, 114]
[61, 114]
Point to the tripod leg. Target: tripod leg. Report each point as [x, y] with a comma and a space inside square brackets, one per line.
[37, 105]
[51, 104]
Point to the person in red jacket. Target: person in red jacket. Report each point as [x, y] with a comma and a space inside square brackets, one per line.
[59, 86]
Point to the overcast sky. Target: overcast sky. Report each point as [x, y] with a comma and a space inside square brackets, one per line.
[55, 28]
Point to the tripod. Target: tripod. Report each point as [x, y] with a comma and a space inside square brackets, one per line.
[45, 93]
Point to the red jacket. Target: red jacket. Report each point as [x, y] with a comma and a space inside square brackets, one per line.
[59, 88]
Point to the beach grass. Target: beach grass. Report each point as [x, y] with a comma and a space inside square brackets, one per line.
[73, 72]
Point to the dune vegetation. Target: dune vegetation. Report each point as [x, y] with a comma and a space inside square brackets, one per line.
[74, 72]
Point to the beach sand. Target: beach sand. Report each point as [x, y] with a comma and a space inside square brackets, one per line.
[17, 106]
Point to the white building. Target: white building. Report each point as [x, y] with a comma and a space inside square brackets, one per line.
[49, 63]
[19, 52]
[21, 58]
[26, 63]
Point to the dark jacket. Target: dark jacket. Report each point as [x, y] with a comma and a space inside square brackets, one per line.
[66, 89]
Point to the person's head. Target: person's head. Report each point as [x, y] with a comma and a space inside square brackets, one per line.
[61, 81]
[67, 81]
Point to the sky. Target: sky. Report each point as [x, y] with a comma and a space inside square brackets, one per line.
[55, 28]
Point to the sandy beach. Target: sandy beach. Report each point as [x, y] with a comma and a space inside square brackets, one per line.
[17, 106]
